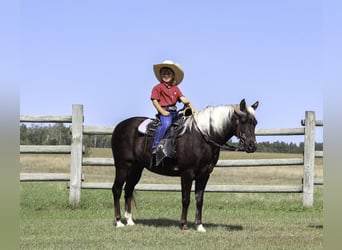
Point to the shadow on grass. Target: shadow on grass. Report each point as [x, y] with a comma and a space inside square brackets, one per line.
[318, 226]
[163, 222]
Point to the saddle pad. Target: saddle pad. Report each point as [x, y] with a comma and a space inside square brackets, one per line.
[143, 126]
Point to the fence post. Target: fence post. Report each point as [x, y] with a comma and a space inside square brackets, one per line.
[309, 158]
[76, 154]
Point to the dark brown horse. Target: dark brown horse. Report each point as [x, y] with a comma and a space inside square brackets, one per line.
[197, 154]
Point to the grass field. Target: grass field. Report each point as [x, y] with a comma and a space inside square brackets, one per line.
[232, 220]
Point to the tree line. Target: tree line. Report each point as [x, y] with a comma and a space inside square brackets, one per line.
[58, 134]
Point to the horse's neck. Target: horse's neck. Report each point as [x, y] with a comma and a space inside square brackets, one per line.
[215, 123]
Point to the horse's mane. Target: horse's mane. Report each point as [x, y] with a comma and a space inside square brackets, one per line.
[215, 119]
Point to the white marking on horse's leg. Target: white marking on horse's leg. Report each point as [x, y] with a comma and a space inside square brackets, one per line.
[200, 228]
[128, 216]
[119, 224]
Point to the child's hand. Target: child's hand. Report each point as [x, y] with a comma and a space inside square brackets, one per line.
[165, 112]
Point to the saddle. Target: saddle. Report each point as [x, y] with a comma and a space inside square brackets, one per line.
[167, 146]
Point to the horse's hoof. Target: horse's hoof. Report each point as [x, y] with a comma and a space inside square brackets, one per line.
[129, 219]
[185, 228]
[200, 228]
[130, 222]
[119, 224]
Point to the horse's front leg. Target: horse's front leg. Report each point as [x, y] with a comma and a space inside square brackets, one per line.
[186, 182]
[200, 185]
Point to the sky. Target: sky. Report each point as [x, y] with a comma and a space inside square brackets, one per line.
[101, 54]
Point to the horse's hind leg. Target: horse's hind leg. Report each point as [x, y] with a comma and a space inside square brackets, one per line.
[120, 178]
[132, 180]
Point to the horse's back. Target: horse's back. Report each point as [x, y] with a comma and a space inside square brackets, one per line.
[128, 124]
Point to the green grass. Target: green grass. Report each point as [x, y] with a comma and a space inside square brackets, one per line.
[232, 220]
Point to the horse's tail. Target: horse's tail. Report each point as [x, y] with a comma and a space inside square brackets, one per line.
[134, 200]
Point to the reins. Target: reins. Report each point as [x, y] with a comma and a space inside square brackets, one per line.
[225, 146]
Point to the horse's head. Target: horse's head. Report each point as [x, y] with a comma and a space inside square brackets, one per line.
[245, 125]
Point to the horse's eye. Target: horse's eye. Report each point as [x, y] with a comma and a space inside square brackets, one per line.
[243, 119]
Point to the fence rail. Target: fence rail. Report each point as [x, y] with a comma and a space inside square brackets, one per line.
[53, 149]
[46, 118]
[76, 178]
[209, 188]
[45, 177]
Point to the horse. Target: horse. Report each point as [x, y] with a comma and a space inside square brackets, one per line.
[197, 152]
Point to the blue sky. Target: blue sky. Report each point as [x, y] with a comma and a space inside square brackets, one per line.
[100, 54]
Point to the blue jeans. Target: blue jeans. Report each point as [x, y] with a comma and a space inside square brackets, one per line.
[165, 124]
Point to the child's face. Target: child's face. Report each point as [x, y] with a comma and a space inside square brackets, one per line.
[167, 75]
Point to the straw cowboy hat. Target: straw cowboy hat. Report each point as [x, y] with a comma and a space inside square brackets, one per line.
[176, 68]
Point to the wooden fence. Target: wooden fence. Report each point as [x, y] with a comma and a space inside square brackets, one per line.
[75, 177]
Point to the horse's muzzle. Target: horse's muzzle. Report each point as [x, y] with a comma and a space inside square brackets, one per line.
[250, 147]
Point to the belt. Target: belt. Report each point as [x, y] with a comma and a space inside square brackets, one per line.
[170, 108]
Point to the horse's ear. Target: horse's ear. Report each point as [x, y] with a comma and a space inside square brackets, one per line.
[255, 105]
[243, 105]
